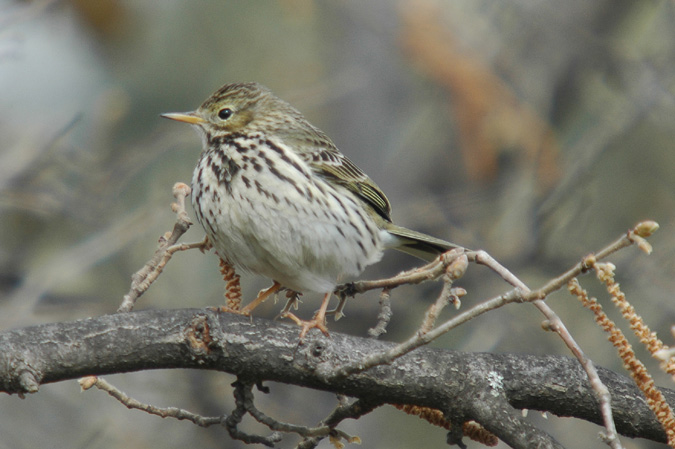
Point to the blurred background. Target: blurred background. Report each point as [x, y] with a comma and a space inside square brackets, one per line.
[538, 131]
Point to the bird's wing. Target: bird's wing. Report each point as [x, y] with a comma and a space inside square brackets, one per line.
[330, 163]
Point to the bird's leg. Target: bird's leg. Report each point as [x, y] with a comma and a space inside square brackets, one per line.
[292, 303]
[318, 322]
[262, 296]
[337, 311]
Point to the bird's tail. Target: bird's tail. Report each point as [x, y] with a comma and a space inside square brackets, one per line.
[417, 244]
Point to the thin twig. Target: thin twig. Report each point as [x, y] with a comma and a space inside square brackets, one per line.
[555, 324]
[343, 411]
[384, 316]
[601, 391]
[449, 294]
[521, 294]
[231, 422]
[131, 403]
[516, 295]
[143, 278]
[427, 272]
[420, 339]
[320, 431]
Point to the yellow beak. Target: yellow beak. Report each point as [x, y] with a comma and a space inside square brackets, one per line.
[187, 117]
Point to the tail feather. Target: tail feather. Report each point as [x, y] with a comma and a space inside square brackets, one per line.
[417, 244]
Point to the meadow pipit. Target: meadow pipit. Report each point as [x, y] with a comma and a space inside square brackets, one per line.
[277, 198]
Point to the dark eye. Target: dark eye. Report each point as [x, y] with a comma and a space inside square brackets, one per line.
[224, 114]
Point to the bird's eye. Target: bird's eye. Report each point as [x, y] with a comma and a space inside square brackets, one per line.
[224, 114]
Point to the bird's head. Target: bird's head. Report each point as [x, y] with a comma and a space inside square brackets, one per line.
[239, 108]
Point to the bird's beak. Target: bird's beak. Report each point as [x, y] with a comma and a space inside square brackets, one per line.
[188, 117]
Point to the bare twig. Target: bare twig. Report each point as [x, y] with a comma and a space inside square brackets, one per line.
[601, 391]
[427, 272]
[244, 396]
[170, 412]
[384, 316]
[555, 324]
[231, 422]
[449, 294]
[143, 278]
[520, 294]
[343, 411]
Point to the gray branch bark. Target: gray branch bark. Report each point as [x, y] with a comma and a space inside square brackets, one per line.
[488, 388]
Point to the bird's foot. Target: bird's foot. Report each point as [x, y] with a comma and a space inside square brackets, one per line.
[246, 311]
[291, 303]
[226, 309]
[262, 296]
[315, 323]
[318, 322]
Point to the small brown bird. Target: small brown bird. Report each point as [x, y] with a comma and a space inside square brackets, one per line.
[277, 198]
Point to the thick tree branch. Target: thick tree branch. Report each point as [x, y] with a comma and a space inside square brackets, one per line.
[260, 350]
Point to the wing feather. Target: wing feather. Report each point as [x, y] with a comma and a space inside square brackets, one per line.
[328, 162]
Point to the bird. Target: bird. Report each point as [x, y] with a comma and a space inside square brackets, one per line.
[277, 198]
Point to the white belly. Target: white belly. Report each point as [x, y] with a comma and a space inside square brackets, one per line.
[303, 234]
